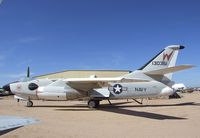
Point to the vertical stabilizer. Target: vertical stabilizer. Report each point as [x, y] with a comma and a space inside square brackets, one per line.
[166, 58]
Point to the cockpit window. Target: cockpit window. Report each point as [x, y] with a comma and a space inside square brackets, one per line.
[32, 86]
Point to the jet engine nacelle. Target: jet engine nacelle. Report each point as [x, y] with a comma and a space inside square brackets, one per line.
[57, 93]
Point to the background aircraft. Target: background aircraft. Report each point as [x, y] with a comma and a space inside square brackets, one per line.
[151, 80]
[10, 123]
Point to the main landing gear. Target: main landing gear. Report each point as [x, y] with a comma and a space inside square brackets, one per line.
[29, 103]
[93, 103]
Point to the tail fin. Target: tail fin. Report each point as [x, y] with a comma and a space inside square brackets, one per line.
[166, 58]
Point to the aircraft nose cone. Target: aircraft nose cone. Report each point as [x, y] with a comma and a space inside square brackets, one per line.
[7, 87]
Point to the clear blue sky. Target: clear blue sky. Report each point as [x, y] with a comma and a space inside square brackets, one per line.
[56, 35]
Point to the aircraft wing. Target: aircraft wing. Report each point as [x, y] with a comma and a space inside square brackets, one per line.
[96, 80]
[86, 84]
[9, 122]
[168, 70]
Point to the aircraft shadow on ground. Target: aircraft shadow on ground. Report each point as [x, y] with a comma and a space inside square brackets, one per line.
[60, 106]
[121, 110]
[77, 109]
[161, 105]
[156, 116]
[121, 104]
[8, 130]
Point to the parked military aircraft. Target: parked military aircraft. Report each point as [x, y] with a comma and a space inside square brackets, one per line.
[179, 87]
[151, 80]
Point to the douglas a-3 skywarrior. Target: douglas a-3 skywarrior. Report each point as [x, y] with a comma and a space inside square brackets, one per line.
[152, 80]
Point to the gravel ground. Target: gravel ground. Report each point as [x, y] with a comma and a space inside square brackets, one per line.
[156, 118]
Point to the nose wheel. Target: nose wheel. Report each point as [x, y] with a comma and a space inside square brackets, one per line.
[29, 104]
[93, 103]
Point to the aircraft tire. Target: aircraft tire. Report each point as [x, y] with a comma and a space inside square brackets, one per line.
[97, 103]
[93, 103]
[29, 104]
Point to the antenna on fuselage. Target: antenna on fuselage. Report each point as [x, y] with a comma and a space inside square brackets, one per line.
[27, 78]
[28, 72]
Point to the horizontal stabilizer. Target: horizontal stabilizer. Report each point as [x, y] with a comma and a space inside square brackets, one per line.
[169, 70]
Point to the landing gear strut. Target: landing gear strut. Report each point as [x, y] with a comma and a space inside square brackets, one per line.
[93, 103]
[109, 102]
[138, 101]
[29, 103]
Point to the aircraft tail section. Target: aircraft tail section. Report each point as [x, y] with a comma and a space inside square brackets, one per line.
[165, 59]
[161, 67]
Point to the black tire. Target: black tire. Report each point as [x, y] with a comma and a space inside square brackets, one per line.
[97, 103]
[29, 104]
[93, 103]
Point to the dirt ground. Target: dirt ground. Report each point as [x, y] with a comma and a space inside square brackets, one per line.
[70, 119]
